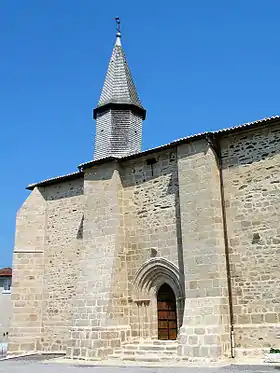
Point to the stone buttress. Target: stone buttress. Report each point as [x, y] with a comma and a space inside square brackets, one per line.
[100, 314]
[28, 273]
[205, 332]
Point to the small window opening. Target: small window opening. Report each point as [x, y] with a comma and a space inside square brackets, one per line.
[151, 162]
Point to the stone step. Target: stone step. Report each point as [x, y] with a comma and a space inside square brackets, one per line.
[152, 341]
[149, 358]
[148, 347]
[146, 350]
[158, 342]
[114, 356]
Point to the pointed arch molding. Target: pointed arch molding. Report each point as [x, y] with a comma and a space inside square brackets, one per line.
[155, 272]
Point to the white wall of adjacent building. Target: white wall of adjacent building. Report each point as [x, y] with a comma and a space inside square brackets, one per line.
[5, 307]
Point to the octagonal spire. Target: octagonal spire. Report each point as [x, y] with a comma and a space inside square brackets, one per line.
[119, 113]
[119, 87]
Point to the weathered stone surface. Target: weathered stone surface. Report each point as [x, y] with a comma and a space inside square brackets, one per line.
[252, 182]
[91, 254]
[28, 273]
[206, 304]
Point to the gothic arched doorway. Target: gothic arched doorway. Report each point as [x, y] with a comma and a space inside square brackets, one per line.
[167, 315]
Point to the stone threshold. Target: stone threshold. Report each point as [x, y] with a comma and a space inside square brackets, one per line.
[162, 364]
[120, 363]
[158, 364]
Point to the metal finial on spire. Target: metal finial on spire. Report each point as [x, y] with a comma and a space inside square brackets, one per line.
[118, 26]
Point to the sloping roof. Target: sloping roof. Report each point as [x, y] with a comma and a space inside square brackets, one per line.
[74, 175]
[119, 86]
[190, 138]
[5, 272]
[71, 176]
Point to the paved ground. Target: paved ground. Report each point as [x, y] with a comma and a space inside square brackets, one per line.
[37, 365]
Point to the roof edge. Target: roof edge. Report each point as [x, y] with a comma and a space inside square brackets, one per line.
[98, 161]
[54, 180]
[218, 133]
[6, 272]
[198, 136]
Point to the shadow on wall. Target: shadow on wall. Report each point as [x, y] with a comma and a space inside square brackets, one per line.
[180, 252]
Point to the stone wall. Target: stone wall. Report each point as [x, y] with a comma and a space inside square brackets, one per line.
[63, 244]
[83, 247]
[45, 264]
[205, 332]
[28, 275]
[251, 162]
[151, 225]
[100, 319]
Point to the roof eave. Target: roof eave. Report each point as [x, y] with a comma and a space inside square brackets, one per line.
[55, 180]
[96, 162]
[120, 106]
[217, 134]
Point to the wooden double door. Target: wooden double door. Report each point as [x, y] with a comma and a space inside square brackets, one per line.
[167, 314]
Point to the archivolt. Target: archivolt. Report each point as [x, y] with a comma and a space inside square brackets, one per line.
[155, 272]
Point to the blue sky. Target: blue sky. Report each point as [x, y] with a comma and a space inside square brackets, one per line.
[198, 65]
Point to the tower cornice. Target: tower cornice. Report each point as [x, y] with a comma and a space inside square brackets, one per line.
[119, 106]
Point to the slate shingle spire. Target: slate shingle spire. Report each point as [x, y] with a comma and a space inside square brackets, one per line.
[119, 112]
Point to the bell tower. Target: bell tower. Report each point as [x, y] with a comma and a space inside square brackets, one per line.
[119, 113]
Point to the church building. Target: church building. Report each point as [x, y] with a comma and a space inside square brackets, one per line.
[171, 253]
